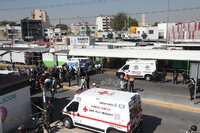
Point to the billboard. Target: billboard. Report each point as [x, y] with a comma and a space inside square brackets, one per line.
[82, 40]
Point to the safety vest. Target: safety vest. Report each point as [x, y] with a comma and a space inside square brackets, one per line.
[131, 79]
[126, 77]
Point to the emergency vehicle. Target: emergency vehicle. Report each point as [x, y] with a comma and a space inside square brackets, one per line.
[104, 110]
[84, 63]
[138, 69]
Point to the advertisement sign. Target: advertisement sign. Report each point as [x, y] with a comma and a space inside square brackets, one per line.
[82, 40]
[133, 30]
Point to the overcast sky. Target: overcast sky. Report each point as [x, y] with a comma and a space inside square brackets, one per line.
[68, 10]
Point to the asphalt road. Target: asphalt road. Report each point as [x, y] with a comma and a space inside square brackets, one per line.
[157, 118]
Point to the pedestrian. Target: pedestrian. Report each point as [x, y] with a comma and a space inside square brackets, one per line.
[87, 79]
[163, 75]
[99, 67]
[191, 87]
[154, 75]
[78, 74]
[122, 83]
[83, 83]
[126, 78]
[184, 75]
[96, 68]
[68, 78]
[175, 77]
[12, 66]
[63, 73]
[49, 109]
[94, 85]
[131, 87]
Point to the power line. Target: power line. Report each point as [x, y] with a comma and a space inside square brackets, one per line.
[138, 13]
[89, 2]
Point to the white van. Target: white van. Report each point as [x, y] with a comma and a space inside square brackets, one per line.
[104, 110]
[138, 69]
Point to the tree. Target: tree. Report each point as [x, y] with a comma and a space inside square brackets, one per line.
[118, 22]
[11, 23]
[121, 21]
[62, 26]
[132, 22]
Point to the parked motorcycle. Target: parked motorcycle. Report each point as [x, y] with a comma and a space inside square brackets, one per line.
[37, 127]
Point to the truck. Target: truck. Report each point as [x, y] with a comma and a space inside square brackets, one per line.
[138, 69]
[104, 111]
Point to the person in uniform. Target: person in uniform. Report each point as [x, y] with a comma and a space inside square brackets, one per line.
[131, 87]
[175, 77]
[126, 78]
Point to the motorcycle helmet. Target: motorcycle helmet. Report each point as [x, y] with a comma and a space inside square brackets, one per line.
[194, 128]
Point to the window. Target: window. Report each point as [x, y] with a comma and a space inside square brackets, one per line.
[151, 32]
[93, 27]
[82, 28]
[125, 67]
[73, 107]
[135, 110]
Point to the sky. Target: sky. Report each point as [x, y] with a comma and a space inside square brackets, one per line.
[74, 11]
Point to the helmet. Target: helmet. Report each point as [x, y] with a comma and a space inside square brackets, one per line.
[47, 81]
[94, 84]
[193, 128]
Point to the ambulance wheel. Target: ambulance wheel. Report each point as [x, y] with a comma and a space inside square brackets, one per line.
[67, 122]
[112, 130]
[148, 77]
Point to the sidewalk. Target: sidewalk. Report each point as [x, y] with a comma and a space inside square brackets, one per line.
[167, 94]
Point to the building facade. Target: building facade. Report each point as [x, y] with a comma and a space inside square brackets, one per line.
[52, 34]
[38, 14]
[88, 30]
[32, 30]
[184, 31]
[103, 23]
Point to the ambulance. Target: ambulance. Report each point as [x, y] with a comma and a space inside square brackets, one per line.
[104, 110]
[138, 69]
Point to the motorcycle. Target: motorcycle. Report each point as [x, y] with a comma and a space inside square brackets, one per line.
[37, 127]
[193, 129]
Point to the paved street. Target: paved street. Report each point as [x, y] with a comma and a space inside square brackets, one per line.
[159, 116]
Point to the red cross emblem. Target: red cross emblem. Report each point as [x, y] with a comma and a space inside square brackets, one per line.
[73, 114]
[103, 92]
[85, 109]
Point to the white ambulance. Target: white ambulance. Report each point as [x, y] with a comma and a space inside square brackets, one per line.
[104, 110]
[138, 69]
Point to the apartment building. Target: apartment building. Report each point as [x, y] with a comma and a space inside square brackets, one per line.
[103, 23]
[38, 14]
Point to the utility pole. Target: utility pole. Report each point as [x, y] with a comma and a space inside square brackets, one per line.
[167, 23]
[196, 82]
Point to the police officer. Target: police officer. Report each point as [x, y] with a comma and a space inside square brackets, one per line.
[131, 87]
[184, 74]
[191, 87]
[126, 78]
[175, 77]
[87, 79]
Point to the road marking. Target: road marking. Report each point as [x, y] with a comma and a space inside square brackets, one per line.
[171, 106]
[114, 73]
[71, 88]
[156, 103]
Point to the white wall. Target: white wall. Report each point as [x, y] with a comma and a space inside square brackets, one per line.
[16, 104]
